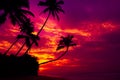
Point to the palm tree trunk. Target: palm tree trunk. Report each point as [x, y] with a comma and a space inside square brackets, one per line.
[12, 44]
[38, 32]
[20, 49]
[56, 58]
[44, 24]
[10, 47]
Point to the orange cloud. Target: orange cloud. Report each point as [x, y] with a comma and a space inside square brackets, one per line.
[52, 33]
[4, 44]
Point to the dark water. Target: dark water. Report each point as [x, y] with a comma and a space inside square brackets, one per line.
[95, 76]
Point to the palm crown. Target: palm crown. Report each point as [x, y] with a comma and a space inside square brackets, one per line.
[15, 9]
[52, 6]
[66, 42]
[27, 28]
[29, 38]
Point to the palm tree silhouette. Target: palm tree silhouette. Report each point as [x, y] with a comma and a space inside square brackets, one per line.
[28, 38]
[5, 53]
[53, 8]
[15, 9]
[64, 42]
[26, 27]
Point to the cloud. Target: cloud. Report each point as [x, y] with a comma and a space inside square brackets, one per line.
[78, 11]
[99, 42]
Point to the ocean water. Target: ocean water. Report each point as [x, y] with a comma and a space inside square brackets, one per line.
[95, 76]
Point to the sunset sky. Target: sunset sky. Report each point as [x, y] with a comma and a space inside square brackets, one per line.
[95, 25]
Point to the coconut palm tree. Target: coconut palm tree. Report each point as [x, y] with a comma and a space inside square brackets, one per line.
[53, 7]
[15, 9]
[5, 53]
[26, 27]
[28, 39]
[64, 42]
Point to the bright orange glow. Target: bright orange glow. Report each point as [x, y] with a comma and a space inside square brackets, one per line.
[87, 31]
[52, 32]
[14, 29]
[41, 69]
[44, 57]
[79, 32]
[35, 33]
[4, 44]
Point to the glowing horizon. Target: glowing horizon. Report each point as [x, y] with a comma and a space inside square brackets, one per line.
[88, 32]
[96, 29]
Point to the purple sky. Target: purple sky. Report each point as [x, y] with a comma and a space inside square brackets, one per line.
[97, 52]
[103, 53]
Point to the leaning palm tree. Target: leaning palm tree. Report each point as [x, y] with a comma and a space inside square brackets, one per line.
[26, 27]
[64, 42]
[28, 39]
[5, 53]
[16, 10]
[53, 7]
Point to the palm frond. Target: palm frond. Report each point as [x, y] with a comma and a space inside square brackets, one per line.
[18, 17]
[53, 7]
[60, 2]
[27, 12]
[35, 41]
[21, 36]
[22, 17]
[22, 3]
[13, 19]
[60, 42]
[61, 10]
[41, 3]
[73, 44]
[60, 47]
[66, 42]
[47, 9]
[34, 38]
[56, 15]
[27, 40]
[2, 19]
[53, 13]
[37, 37]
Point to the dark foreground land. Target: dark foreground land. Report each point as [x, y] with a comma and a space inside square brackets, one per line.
[24, 65]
